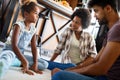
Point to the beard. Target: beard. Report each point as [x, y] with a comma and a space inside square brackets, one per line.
[103, 21]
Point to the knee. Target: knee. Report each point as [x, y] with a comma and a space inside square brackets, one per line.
[58, 76]
[55, 76]
[8, 54]
[44, 65]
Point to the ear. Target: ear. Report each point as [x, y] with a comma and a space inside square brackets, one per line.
[108, 9]
[25, 14]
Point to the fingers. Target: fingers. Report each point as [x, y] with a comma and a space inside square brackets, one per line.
[39, 72]
[55, 70]
[24, 70]
[30, 72]
[36, 70]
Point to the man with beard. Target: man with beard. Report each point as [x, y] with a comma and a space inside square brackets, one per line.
[106, 66]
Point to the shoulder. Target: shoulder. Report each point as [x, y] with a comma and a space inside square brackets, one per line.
[32, 29]
[116, 27]
[20, 24]
[114, 33]
[86, 34]
[66, 31]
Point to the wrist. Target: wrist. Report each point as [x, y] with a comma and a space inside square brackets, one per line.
[35, 62]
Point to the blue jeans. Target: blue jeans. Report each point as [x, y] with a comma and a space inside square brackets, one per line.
[42, 64]
[67, 75]
[62, 66]
[8, 58]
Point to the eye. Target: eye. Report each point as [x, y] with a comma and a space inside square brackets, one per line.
[35, 12]
[95, 10]
[76, 22]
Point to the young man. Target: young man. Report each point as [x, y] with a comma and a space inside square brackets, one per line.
[107, 63]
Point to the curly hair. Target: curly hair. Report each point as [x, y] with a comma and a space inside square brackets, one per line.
[85, 16]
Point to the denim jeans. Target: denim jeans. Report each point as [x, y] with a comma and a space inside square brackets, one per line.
[8, 58]
[67, 75]
[42, 64]
[62, 66]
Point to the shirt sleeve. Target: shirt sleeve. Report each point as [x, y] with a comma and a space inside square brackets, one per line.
[61, 44]
[114, 33]
[92, 46]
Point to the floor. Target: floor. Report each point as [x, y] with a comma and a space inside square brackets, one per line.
[15, 73]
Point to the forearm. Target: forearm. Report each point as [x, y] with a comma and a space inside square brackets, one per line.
[34, 49]
[54, 57]
[34, 53]
[90, 70]
[87, 62]
[19, 55]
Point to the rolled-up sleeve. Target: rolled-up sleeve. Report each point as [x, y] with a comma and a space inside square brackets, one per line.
[61, 45]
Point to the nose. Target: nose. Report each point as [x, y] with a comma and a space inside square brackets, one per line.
[37, 16]
[73, 24]
[95, 15]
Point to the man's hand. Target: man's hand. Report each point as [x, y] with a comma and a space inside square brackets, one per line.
[55, 70]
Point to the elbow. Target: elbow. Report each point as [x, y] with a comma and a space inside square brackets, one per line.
[102, 70]
[105, 71]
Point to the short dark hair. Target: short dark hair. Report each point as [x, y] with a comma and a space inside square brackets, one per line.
[103, 3]
[85, 16]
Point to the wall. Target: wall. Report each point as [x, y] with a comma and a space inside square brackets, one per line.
[49, 30]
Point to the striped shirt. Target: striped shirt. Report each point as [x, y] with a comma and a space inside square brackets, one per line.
[87, 46]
